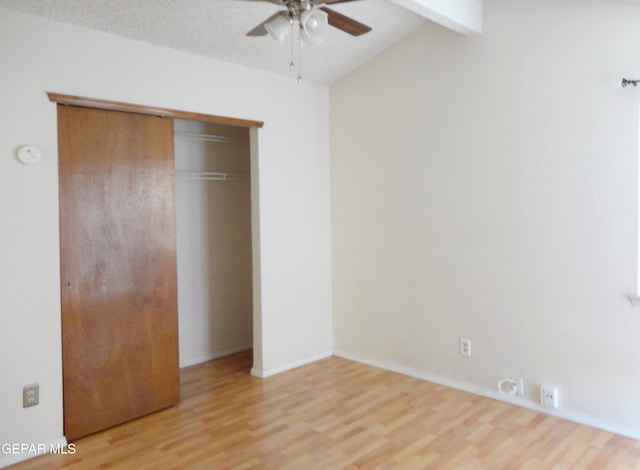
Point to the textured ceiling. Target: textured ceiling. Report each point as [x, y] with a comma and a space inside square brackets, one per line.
[217, 28]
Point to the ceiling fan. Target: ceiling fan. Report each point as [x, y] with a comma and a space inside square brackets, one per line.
[312, 15]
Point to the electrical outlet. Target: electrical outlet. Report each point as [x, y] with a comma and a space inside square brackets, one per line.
[549, 396]
[30, 395]
[465, 347]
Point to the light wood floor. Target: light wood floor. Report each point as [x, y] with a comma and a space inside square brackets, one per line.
[338, 414]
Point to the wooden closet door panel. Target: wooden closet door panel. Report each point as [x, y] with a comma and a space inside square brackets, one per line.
[118, 267]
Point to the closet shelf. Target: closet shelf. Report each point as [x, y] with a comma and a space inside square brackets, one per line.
[209, 175]
[224, 139]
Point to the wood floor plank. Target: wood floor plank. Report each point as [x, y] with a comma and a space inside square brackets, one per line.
[339, 414]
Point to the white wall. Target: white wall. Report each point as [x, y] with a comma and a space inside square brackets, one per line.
[292, 170]
[486, 187]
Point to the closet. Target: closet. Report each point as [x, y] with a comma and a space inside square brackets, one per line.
[155, 247]
[213, 219]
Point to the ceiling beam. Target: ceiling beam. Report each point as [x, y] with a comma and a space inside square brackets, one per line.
[462, 16]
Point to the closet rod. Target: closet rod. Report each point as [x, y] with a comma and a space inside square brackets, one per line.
[225, 139]
[209, 175]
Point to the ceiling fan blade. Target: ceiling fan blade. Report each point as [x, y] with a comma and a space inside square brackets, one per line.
[346, 24]
[260, 29]
[327, 2]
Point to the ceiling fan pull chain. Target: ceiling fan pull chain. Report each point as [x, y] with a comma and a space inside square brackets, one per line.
[300, 54]
[291, 64]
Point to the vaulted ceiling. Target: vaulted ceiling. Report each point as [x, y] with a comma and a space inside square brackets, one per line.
[217, 28]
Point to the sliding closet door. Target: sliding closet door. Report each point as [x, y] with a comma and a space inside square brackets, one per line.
[118, 267]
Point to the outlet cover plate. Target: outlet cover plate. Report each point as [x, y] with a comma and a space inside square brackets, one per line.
[549, 396]
[30, 395]
[465, 347]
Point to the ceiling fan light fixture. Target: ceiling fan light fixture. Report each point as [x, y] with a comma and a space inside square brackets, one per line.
[313, 22]
[278, 28]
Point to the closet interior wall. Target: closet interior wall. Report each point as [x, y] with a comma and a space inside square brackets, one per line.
[213, 218]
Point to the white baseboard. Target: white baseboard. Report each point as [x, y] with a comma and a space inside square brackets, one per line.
[264, 373]
[192, 361]
[569, 415]
[10, 455]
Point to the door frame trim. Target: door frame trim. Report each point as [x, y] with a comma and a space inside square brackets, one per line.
[72, 100]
